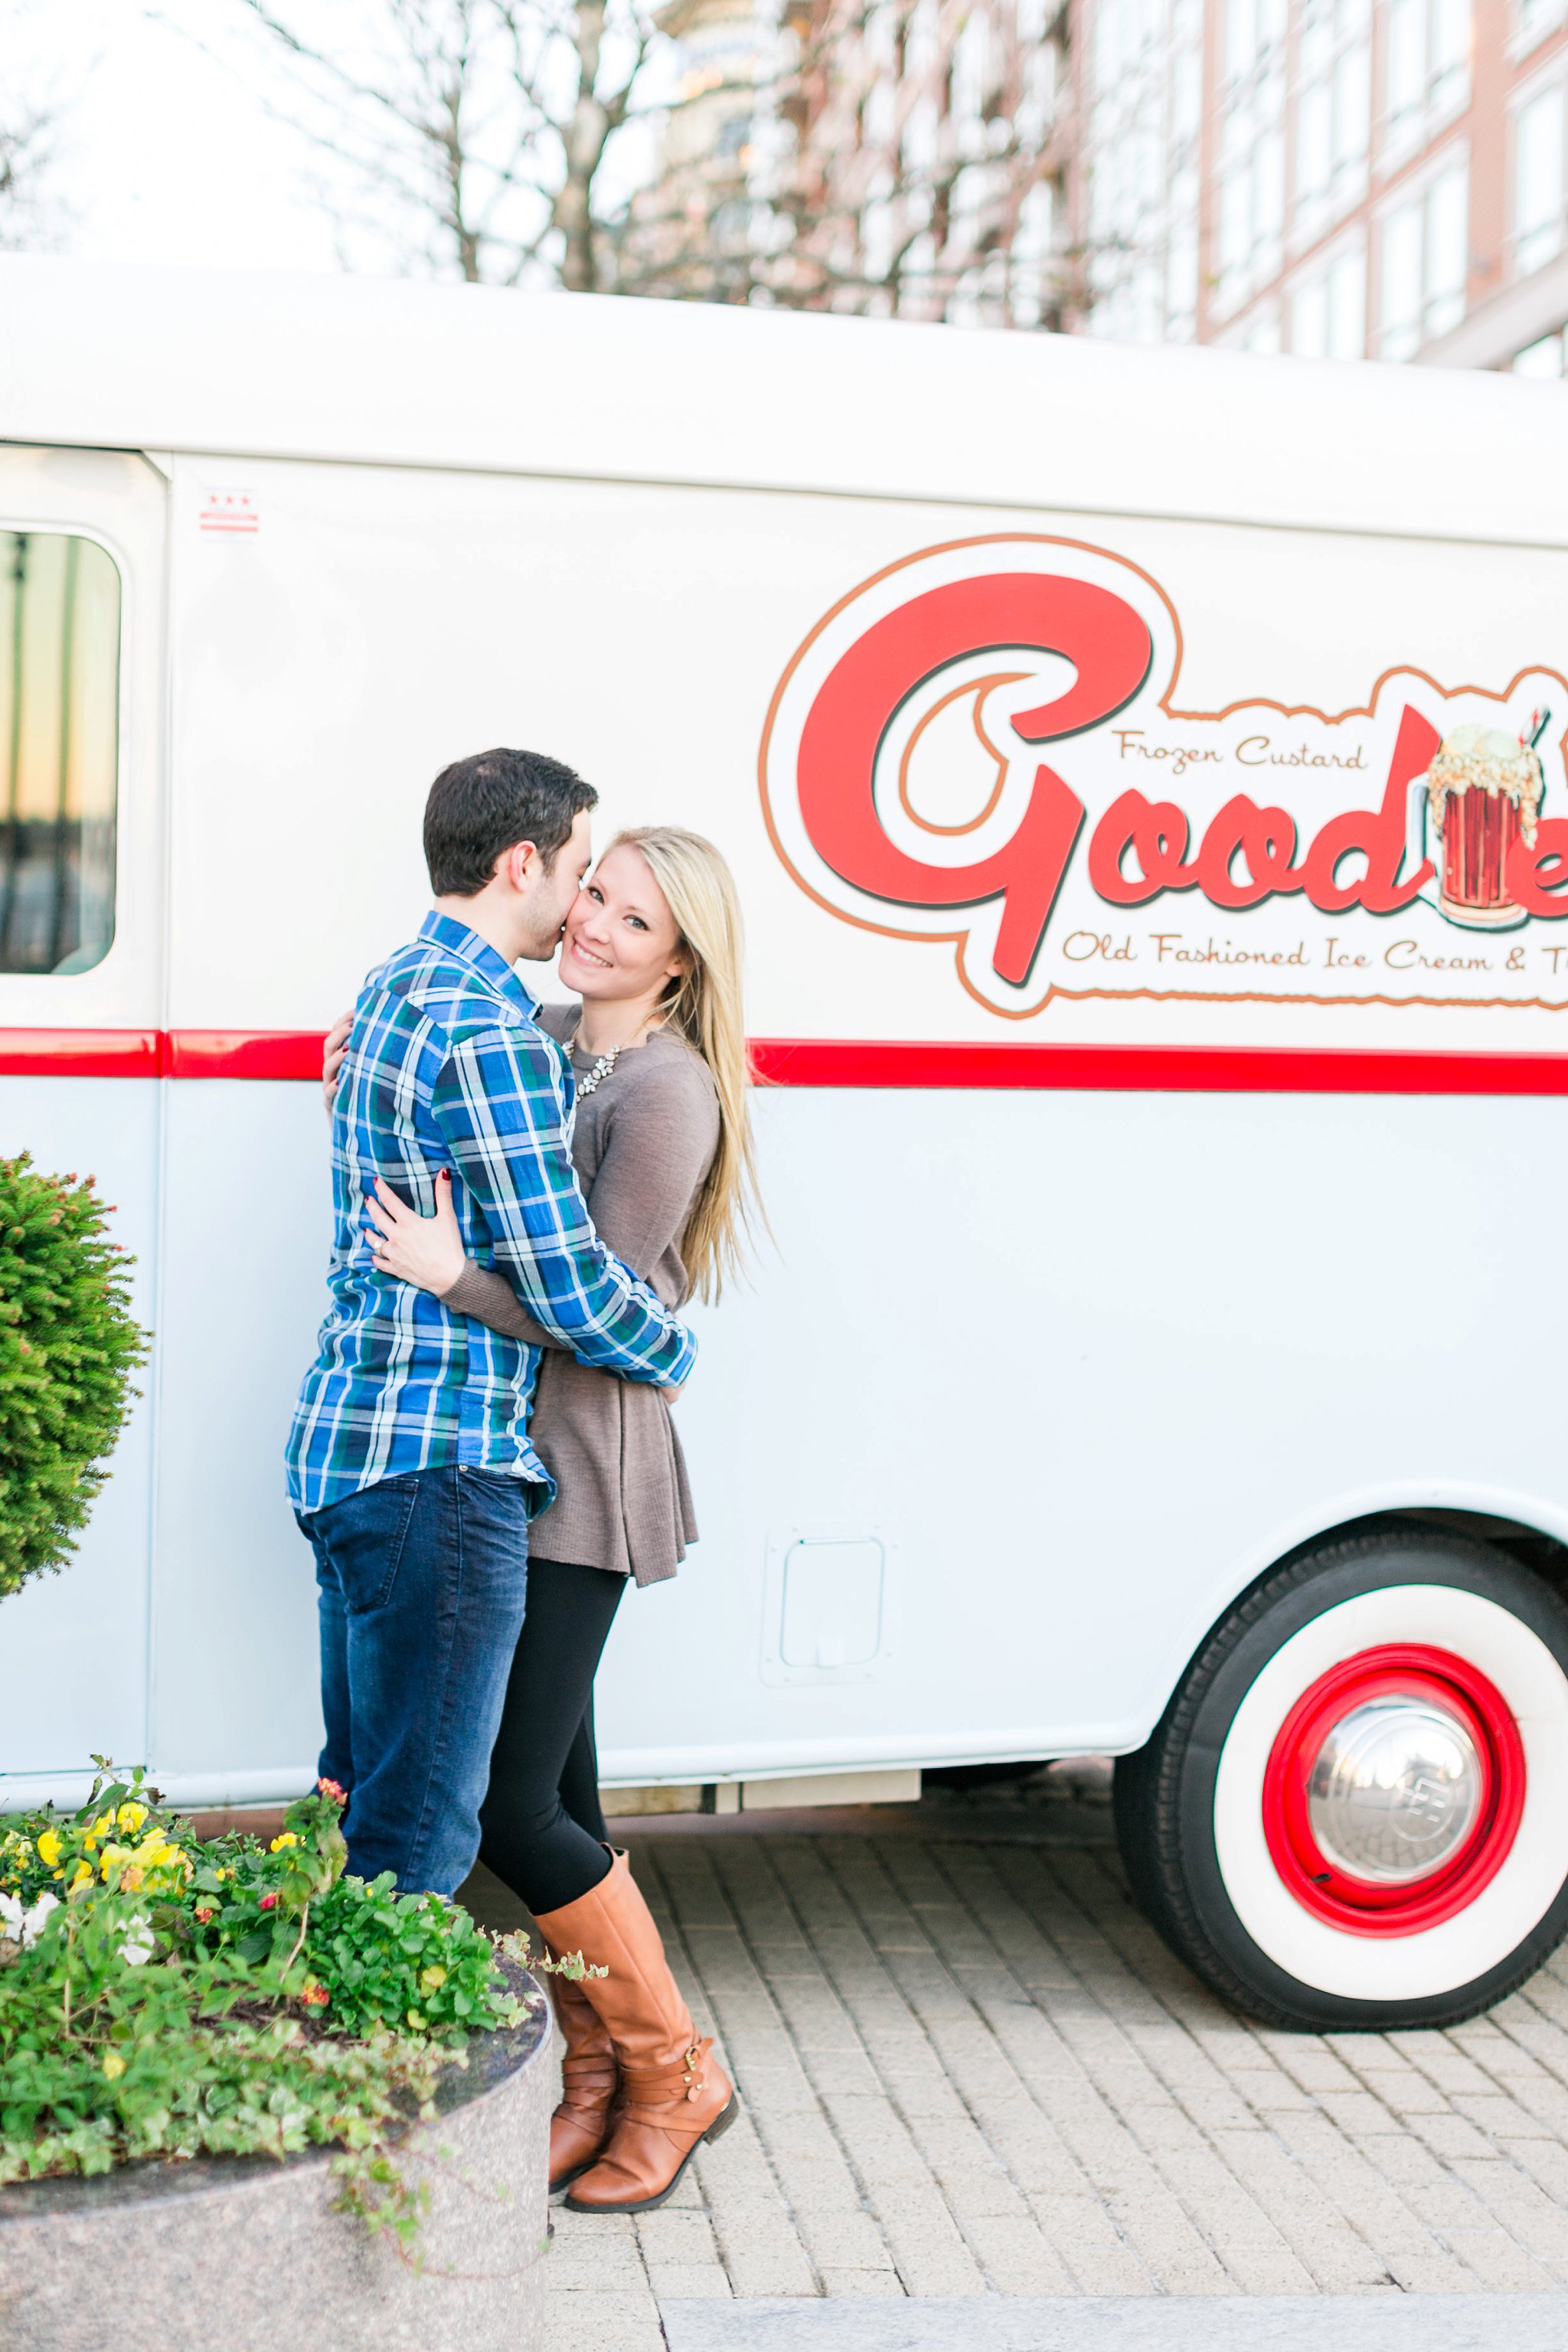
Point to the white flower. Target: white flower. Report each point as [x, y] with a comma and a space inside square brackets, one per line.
[138, 1947]
[24, 1927]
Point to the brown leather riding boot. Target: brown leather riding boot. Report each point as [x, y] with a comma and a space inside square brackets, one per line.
[673, 2092]
[589, 2080]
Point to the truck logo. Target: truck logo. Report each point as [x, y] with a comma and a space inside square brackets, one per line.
[981, 745]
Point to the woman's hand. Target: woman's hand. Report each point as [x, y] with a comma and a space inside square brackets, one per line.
[332, 1055]
[426, 1250]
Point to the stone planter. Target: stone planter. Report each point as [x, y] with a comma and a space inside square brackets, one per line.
[245, 2254]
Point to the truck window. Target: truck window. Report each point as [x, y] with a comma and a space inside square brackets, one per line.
[59, 704]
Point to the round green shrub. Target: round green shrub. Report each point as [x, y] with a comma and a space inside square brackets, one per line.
[68, 1345]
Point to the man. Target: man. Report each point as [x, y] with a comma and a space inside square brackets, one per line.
[409, 1463]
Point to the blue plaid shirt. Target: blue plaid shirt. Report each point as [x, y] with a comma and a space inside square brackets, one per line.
[446, 1067]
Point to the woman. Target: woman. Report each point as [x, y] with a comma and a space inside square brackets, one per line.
[662, 1147]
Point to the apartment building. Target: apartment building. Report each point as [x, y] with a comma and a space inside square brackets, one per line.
[894, 157]
[1338, 178]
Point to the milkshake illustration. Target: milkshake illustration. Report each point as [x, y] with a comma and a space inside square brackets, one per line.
[1483, 793]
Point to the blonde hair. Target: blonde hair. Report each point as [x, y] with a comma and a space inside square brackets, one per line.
[703, 1006]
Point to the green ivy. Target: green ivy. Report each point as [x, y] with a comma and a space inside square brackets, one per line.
[69, 1346]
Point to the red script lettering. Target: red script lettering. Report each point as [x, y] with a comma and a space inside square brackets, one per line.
[1110, 647]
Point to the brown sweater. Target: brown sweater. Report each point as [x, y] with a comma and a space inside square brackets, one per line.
[643, 1140]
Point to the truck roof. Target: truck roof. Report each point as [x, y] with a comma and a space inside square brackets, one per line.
[366, 371]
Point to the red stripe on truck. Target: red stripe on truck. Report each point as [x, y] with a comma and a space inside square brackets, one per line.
[79, 1052]
[242, 1053]
[161, 1052]
[1180, 1069]
[296, 1055]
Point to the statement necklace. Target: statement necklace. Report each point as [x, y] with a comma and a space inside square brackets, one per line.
[605, 1064]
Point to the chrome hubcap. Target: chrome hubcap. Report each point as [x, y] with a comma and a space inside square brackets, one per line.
[1395, 1790]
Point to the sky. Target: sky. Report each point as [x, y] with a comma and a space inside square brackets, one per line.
[166, 153]
[171, 146]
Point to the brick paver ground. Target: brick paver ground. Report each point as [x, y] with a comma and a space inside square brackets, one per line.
[969, 2068]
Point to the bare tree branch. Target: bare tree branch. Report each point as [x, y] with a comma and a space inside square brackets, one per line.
[891, 156]
[34, 216]
[481, 128]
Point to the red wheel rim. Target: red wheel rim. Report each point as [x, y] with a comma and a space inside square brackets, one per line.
[1322, 1885]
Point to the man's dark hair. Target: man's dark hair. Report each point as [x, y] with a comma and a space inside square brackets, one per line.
[479, 807]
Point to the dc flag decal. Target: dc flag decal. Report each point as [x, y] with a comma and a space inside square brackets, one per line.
[980, 745]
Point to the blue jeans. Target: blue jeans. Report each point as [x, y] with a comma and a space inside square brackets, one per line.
[421, 1584]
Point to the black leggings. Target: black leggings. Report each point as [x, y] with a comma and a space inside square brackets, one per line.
[542, 1829]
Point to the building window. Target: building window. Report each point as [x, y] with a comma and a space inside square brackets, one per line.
[1254, 31]
[1252, 150]
[1032, 260]
[1327, 312]
[1182, 284]
[1532, 20]
[1263, 334]
[1543, 358]
[1423, 262]
[1538, 180]
[1146, 64]
[1426, 71]
[59, 702]
[1333, 105]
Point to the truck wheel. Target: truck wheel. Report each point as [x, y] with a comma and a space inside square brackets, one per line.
[1355, 1812]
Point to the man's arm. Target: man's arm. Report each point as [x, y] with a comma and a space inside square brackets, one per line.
[499, 1103]
[661, 1140]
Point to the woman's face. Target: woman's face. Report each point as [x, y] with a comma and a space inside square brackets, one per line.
[620, 941]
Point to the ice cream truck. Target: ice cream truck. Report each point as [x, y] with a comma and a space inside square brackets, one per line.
[1144, 774]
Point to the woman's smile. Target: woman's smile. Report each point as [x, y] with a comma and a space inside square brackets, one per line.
[620, 945]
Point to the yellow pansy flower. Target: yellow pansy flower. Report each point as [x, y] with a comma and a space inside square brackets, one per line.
[112, 1858]
[432, 1979]
[154, 1852]
[83, 1875]
[287, 1838]
[49, 1848]
[16, 1854]
[128, 1817]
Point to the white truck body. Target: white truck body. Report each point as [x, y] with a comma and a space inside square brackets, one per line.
[1047, 1358]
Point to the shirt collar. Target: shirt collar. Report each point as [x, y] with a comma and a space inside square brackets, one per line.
[459, 940]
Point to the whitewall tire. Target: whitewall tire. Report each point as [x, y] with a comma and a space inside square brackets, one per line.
[1356, 1809]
